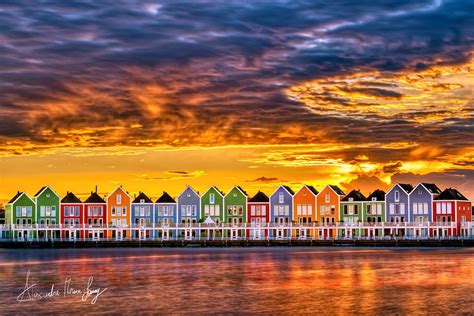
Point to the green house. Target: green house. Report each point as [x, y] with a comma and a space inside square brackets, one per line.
[235, 210]
[212, 205]
[374, 211]
[47, 206]
[350, 212]
[20, 211]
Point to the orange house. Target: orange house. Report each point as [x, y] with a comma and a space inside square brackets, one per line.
[304, 205]
[328, 205]
[304, 210]
[118, 212]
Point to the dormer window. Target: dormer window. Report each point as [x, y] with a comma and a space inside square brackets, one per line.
[397, 196]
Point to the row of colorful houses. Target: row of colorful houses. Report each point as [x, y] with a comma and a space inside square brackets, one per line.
[424, 203]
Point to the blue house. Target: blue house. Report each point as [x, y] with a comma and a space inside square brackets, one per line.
[281, 210]
[189, 211]
[189, 206]
[165, 211]
[165, 215]
[142, 211]
[421, 205]
[397, 202]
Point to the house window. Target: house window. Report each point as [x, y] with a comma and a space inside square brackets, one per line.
[374, 199]
[397, 196]
[124, 211]
[281, 198]
[327, 198]
[119, 198]
[211, 198]
[71, 211]
[114, 211]
[142, 201]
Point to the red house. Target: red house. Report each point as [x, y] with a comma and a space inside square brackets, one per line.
[95, 216]
[258, 215]
[72, 216]
[450, 210]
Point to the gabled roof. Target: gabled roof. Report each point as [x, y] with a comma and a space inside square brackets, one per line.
[215, 188]
[16, 197]
[238, 188]
[260, 197]
[123, 190]
[379, 195]
[142, 196]
[40, 190]
[431, 187]
[336, 189]
[289, 189]
[242, 190]
[165, 198]
[44, 188]
[94, 198]
[406, 187]
[356, 195]
[70, 198]
[286, 188]
[451, 194]
[309, 187]
[192, 189]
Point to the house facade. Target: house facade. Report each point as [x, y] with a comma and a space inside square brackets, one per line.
[235, 204]
[47, 210]
[281, 210]
[304, 210]
[351, 213]
[397, 201]
[166, 215]
[328, 206]
[142, 216]
[258, 215]
[373, 211]
[421, 203]
[95, 216]
[72, 216]
[212, 205]
[118, 212]
[21, 210]
[451, 210]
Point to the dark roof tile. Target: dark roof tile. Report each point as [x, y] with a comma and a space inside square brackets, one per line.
[260, 197]
[165, 198]
[70, 198]
[142, 196]
[451, 194]
[356, 195]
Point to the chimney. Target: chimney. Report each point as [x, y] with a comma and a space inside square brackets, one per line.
[96, 188]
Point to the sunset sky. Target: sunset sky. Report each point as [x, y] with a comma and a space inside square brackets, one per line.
[157, 95]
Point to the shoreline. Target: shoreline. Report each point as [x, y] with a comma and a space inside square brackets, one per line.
[402, 243]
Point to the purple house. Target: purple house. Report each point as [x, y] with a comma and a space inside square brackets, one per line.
[189, 206]
[397, 202]
[281, 209]
[421, 203]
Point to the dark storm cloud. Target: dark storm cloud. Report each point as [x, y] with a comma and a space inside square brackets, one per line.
[180, 70]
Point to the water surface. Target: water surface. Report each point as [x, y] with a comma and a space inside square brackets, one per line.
[239, 280]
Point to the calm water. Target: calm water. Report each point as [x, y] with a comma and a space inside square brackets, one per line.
[252, 280]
